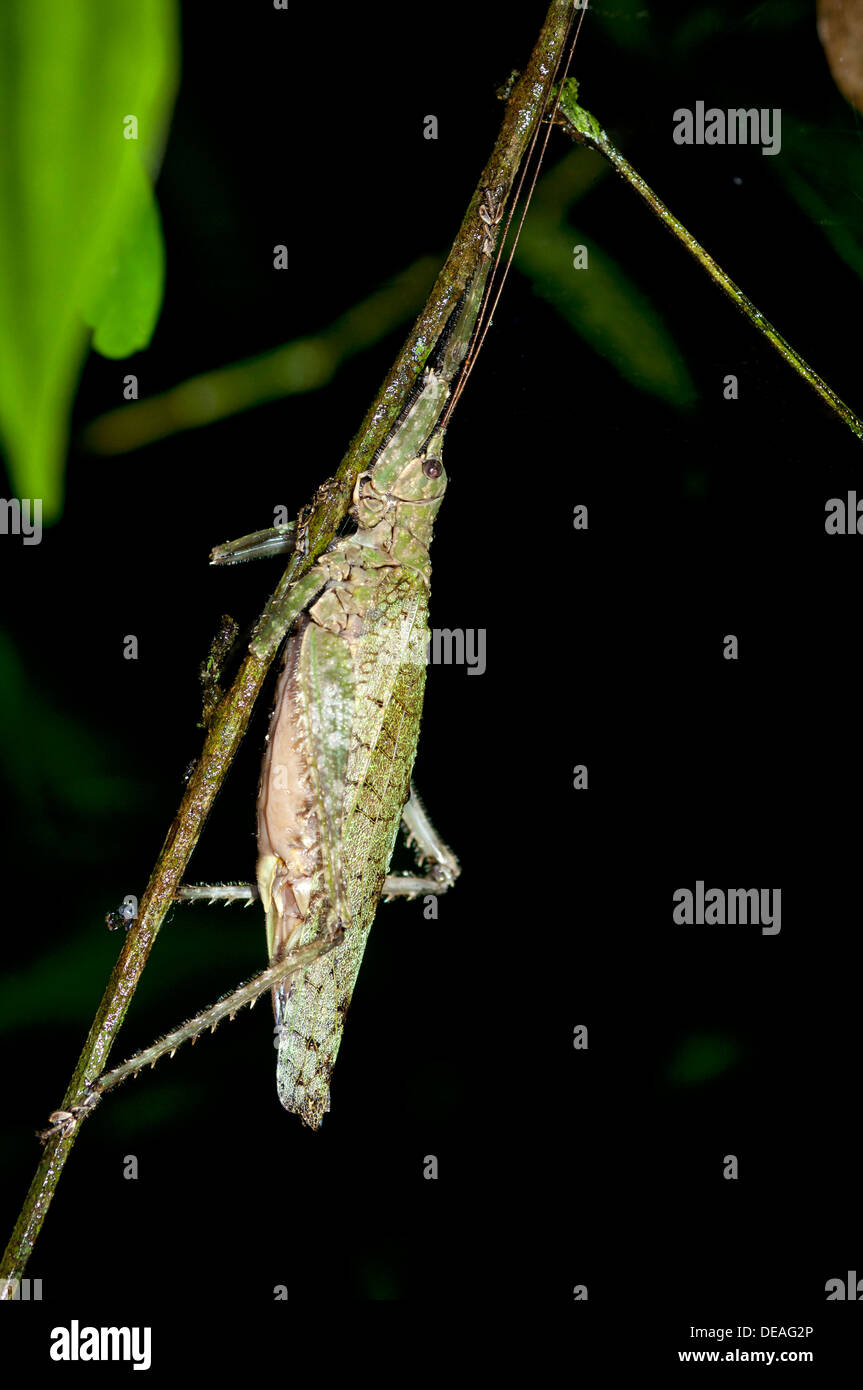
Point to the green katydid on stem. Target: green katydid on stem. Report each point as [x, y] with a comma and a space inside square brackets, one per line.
[336, 777]
[586, 129]
[335, 781]
[336, 774]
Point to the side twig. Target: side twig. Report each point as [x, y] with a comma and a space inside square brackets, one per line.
[586, 130]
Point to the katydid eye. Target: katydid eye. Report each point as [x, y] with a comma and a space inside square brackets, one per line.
[432, 468]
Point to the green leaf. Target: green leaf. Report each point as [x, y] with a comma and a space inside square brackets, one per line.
[73, 226]
[125, 300]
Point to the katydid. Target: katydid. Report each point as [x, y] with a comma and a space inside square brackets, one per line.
[335, 780]
[336, 773]
[336, 776]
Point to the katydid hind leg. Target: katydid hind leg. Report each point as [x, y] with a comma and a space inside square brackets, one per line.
[414, 885]
[428, 848]
[210, 1018]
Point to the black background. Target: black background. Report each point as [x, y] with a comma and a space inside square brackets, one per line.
[557, 1167]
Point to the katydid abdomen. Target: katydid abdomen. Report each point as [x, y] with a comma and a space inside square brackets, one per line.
[334, 782]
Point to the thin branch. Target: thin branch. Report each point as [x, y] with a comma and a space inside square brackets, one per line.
[586, 130]
[319, 526]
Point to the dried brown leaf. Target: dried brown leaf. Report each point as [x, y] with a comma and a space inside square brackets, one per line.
[840, 29]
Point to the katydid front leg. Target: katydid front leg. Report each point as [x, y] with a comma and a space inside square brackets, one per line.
[260, 545]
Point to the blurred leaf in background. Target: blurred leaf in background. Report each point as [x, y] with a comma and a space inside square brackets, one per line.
[55, 771]
[125, 297]
[306, 364]
[702, 1057]
[822, 168]
[86, 91]
[606, 309]
[828, 190]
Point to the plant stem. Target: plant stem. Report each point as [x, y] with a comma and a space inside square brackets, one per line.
[229, 722]
[584, 128]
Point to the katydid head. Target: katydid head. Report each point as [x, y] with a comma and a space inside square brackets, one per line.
[397, 511]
